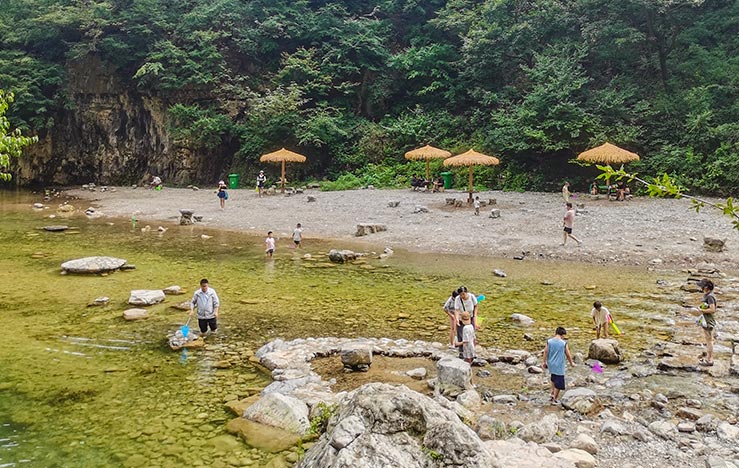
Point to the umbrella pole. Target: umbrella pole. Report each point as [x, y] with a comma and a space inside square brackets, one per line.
[283, 176]
[470, 199]
[428, 170]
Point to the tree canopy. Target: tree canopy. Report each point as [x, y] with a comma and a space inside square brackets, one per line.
[354, 83]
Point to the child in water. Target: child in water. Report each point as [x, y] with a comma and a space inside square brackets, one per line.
[270, 243]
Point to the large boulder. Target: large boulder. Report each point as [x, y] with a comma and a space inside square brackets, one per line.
[93, 265]
[605, 350]
[341, 256]
[384, 425]
[357, 357]
[144, 297]
[453, 372]
[281, 411]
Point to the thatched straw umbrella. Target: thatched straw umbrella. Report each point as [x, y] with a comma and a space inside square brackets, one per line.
[283, 156]
[471, 158]
[427, 153]
[608, 154]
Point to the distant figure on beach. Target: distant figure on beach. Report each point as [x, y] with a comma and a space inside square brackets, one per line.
[555, 352]
[206, 301]
[269, 242]
[476, 204]
[222, 194]
[449, 310]
[467, 342]
[594, 188]
[156, 183]
[464, 302]
[601, 318]
[566, 192]
[261, 182]
[298, 235]
[707, 320]
[569, 221]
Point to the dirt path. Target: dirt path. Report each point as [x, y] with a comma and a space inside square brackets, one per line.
[641, 231]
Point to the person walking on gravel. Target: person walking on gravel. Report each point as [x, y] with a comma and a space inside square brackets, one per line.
[569, 221]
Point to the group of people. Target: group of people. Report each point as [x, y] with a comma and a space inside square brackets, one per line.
[461, 310]
[222, 190]
[436, 185]
[269, 242]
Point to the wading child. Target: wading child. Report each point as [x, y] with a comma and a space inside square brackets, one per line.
[601, 318]
[269, 242]
[555, 352]
[476, 204]
[468, 338]
[298, 236]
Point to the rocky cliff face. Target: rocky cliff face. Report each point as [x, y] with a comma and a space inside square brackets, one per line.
[111, 133]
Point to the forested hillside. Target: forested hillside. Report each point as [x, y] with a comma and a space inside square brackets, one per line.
[358, 83]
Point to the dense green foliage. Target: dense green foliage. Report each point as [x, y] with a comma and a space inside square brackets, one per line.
[356, 83]
[12, 141]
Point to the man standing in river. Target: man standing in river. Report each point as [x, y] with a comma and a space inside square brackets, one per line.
[207, 303]
[569, 221]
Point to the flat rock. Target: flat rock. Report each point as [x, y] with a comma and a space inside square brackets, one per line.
[56, 228]
[281, 411]
[261, 436]
[93, 265]
[173, 290]
[146, 297]
[135, 314]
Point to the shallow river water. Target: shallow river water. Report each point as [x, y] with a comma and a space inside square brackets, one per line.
[80, 386]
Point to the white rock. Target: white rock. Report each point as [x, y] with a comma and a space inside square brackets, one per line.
[515, 453]
[580, 458]
[173, 290]
[469, 399]
[277, 410]
[726, 431]
[135, 314]
[454, 372]
[419, 373]
[664, 429]
[586, 443]
[540, 431]
[522, 319]
[146, 296]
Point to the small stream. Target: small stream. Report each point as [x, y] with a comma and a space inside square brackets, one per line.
[79, 383]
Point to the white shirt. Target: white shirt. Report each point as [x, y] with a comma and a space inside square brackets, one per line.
[270, 242]
[298, 234]
[206, 302]
[469, 304]
[468, 337]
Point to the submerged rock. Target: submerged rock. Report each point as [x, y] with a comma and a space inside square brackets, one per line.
[146, 296]
[341, 256]
[281, 411]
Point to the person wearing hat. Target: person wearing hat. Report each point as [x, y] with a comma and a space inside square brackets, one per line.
[261, 182]
[468, 338]
[464, 302]
[555, 352]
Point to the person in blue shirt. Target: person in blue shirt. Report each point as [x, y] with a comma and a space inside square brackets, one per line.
[555, 352]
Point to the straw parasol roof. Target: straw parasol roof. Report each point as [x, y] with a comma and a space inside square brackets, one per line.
[282, 156]
[471, 158]
[427, 153]
[608, 154]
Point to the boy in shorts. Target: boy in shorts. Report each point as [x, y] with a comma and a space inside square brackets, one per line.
[269, 242]
[298, 236]
[555, 352]
[468, 338]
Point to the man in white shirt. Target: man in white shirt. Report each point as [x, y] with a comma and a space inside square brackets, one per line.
[207, 303]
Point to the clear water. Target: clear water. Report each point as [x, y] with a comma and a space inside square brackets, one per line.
[80, 386]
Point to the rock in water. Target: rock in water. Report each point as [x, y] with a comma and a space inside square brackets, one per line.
[146, 297]
[281, 411]
[93, 265]
[135, 314]
[341, 256]
[56, 228]
[384, 425]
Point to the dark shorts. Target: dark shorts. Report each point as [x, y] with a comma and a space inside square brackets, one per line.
[297, 242]
[205, 323]
[558, 381]
[270, 251]
[568, 230]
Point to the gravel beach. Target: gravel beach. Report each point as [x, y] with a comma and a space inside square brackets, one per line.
[640, 231]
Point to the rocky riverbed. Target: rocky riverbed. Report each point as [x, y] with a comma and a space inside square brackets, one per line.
[640, 231]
